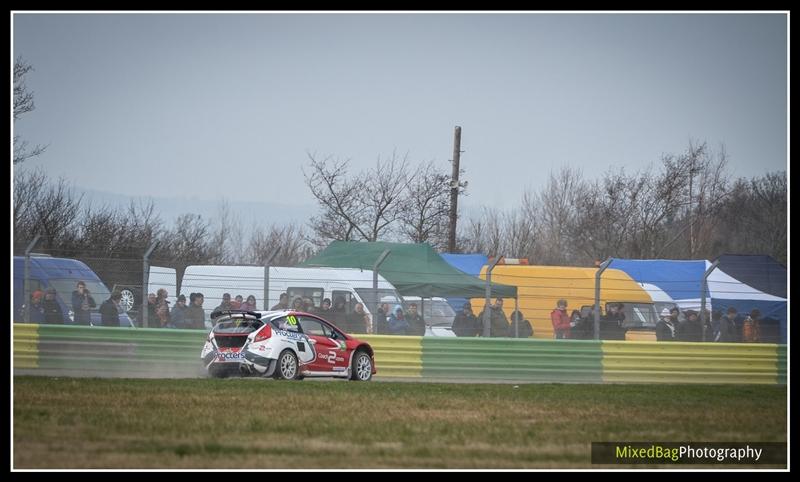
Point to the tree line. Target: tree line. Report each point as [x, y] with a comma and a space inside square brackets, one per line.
[685, 206]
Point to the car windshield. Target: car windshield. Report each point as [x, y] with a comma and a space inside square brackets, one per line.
[238, 325]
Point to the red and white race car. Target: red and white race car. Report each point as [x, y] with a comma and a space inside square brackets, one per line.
[286, 344]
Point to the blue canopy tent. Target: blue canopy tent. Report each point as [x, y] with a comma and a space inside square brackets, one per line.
[681, 281]
[470, 264]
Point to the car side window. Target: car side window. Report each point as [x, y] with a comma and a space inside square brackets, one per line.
[287, 323]
[311, 326]
[333, 333]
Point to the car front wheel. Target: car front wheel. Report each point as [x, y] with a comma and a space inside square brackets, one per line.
[362, 367]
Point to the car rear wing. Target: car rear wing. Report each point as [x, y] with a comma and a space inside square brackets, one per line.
[233, 313]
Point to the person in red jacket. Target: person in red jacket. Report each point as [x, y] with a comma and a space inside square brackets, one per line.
[560, 320]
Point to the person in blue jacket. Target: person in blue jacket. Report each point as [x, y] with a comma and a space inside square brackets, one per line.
[398, 325]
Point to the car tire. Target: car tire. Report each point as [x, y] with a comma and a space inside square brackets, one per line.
[288, 368]
[361, 369]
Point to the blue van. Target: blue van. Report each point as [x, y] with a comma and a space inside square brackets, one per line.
[62, 274]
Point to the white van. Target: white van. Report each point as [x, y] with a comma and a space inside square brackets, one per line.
[350, 284]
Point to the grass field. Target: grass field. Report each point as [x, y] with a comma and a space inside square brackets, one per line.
[235, 423]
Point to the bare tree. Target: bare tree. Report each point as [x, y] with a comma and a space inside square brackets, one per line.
[754, 218]
[338, 196]
[556, 212]
[290, 241]
[483, 232]
[47, 209]
[362, 207]
[228, 236]
[424, 218]
[23, 103]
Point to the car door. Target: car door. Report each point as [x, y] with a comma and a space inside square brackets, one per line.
[329, 345]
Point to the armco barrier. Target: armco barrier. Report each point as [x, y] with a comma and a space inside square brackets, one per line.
[150, 352]
[101, 351]
[524, 360]
[105, 351]
[660, 362]
[396, 356]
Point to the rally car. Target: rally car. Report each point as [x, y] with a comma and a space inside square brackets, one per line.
[284, 344]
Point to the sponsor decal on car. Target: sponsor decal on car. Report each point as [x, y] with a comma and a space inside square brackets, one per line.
[230, 356]
[292, 335]
[331, 357]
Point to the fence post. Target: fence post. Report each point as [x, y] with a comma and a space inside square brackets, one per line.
[597, 275]
[270, 258]
[487, 311]
[146, 281]
[26, 289]
[375, 267]
[516, 309]
[703, 291]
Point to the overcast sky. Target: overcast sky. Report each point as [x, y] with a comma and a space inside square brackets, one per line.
[203, 105]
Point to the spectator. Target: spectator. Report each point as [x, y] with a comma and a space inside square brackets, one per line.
[751, 327]
[178, 313]
[283, 302]
[675, 316]
[381, 319]
[308, 305]
[250, 304]
[151, 312]
[691, 329]
[297, 304]
[716, 324]
[326, 306]
[665, 328]
[398, 325]
[616, 313]
[82, 303]
[236, 304]
[520, 327]
[226, 304]
[361, 320]
[162, 308]
[51, 308]
[465, 322]
[416, 323]
[37, 309]
[338, 316]
[729, 329]
[195, 315]
[109, 310]
[498, 322]
[560, 320]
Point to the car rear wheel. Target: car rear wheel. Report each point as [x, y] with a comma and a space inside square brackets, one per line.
[287, 368]
[362, 367]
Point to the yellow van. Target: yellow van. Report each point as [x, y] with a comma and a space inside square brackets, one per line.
[540, 287]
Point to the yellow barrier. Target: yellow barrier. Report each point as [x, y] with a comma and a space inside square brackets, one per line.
[26, 346]
[670, 362]
[396, 356]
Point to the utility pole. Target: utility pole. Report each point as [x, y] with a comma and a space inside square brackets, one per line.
[451, 238]
[691, 211]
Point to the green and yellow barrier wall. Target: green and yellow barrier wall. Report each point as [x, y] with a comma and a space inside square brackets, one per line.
[162, 353]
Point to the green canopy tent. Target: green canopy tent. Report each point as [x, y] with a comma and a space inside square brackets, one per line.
[414, 269]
